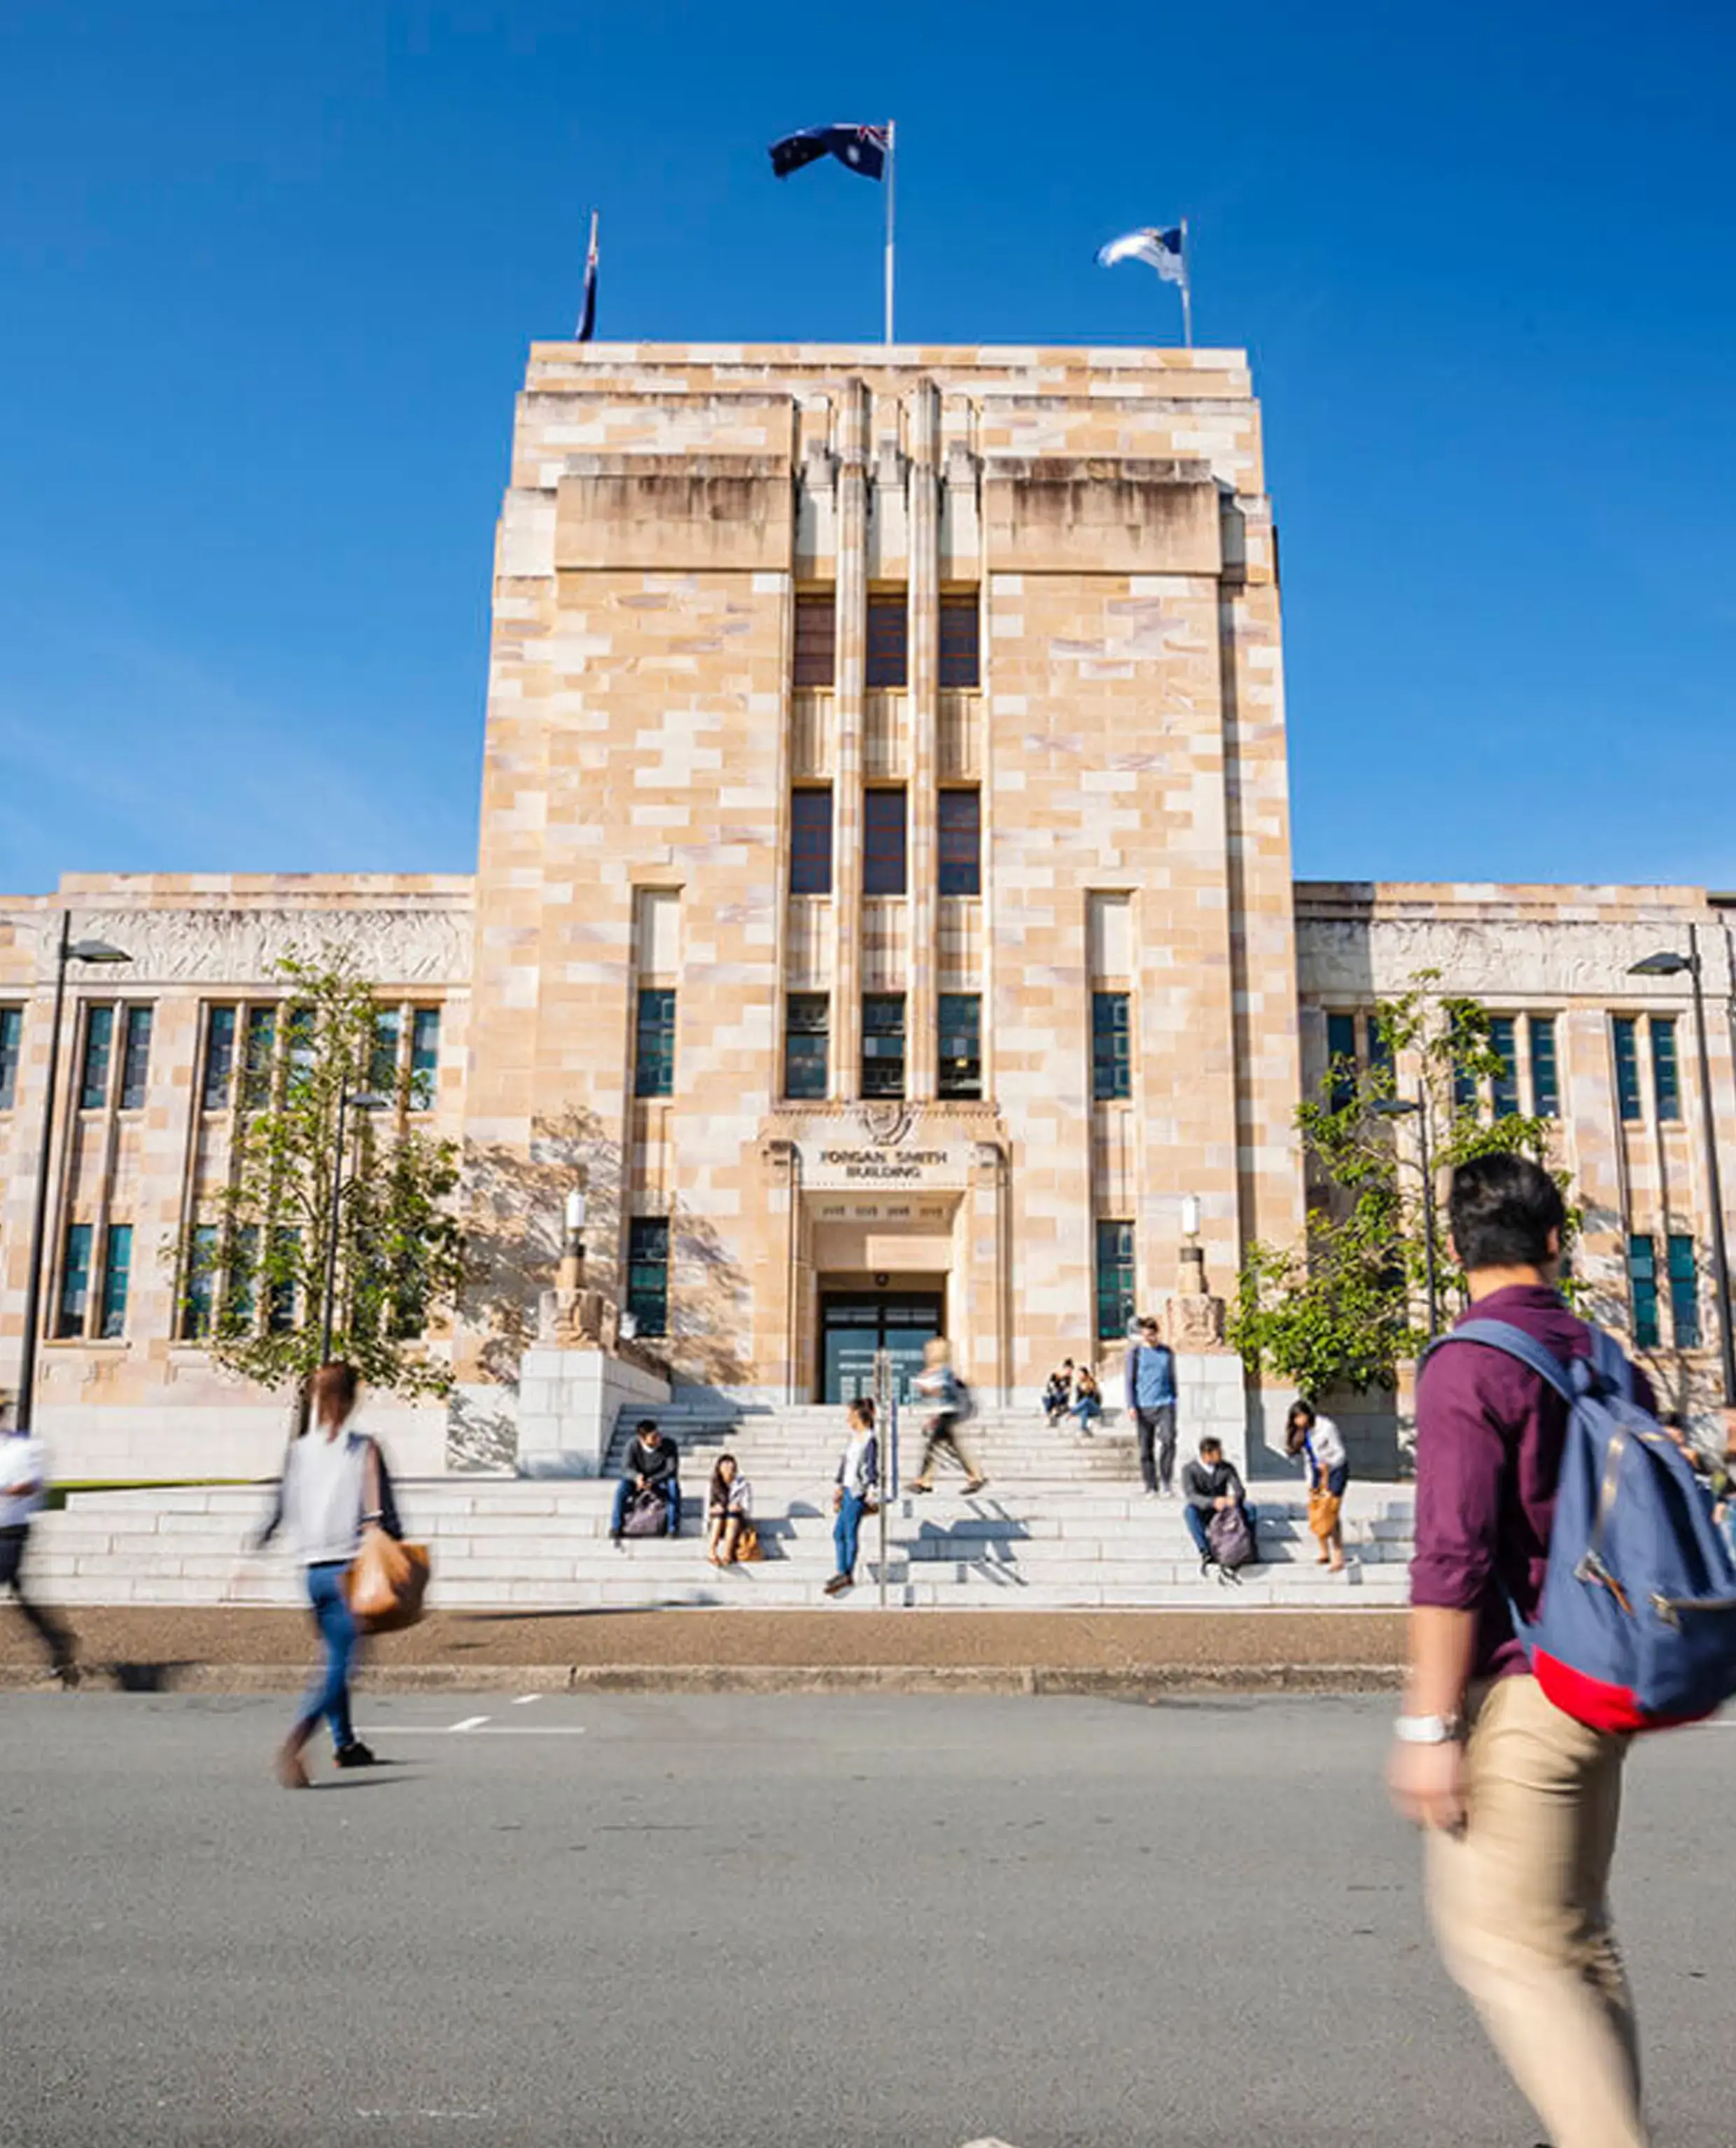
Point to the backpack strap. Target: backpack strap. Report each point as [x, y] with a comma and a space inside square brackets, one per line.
[1512, 1342]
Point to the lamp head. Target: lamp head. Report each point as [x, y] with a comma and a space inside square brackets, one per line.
[1395, 1107]
[1664, 964]
[576, 1207]
[1189, 1215]
[369, 1100]
[96, 950]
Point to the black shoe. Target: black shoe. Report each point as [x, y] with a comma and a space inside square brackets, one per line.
[1206, 1565]
[355, 1754]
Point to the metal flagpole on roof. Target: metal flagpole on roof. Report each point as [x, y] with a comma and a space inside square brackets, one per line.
[1187, 293]
[891, 208]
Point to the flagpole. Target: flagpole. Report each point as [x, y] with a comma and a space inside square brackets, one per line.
[1187, 292]
[891, 209]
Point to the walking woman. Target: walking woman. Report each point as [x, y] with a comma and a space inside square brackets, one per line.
[335, 1481]
[853, 1491]
[1317, 1442]
[937, 1382]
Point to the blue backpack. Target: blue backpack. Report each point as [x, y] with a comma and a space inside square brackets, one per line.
[1636, 1627]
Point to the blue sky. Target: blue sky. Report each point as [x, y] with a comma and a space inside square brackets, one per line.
[268, 274]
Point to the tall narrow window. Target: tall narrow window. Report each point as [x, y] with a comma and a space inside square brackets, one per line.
[136, 1060]
[74, 1282]
[653, 1058]
[810, 839]
[960, 1055]
[12, 1043]
[1643, 1284]
[1503, 1040]
[1627, 1067]
[888, 640]
[1341, 1060]
[1464, 1081]
[883, 1044]
[883, 841]
[200, 1284]
[816, 640]
[262, 1033]
[1545, 1072]
[1666, 1076]
[283, 1269]
[807, 1045]
[298, 1047]
[648, 1273]
[961, 641]
[241, 1285]
[98, 1050]
[425, 1057]
[1684, 1292]
[961, 844]
[117, 1274]
[1380, 1048]
[383, 1059]
[220, 1059]
[1114, 1280]
[1111, 1059]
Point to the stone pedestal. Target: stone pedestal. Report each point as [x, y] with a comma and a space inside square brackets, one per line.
[569, 1397]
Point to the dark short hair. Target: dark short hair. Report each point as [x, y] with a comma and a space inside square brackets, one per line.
[1211, 1444]
[645, 1425]
[1504, 1210]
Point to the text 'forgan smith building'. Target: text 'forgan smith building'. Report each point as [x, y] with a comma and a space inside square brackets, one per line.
[883, 910]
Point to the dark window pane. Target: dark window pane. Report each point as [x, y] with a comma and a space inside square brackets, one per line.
[960, 656]
[888, 632]
[961, 1044]
[284, 1270]
[816, 640]
[1643, 1282]
[116, 1273]
[1464, 1081]
[960, 842]
[1545, 1077]
[653, 1062]
[1114, 1280]
[883, 1044]
[1666, 1078]
[807, 1021]
[1685, 1293]
[883, 842]
[1627, 1067]
[220, 1058]
[383, 1061]
[98, 1048]
[1341, 1057]
[1380, 1047]
[262, 1030]
[241, 1284]
[1112, 1064]
[811, 842]
[74, 1281]
[136, 1060]
[1504, 1039]
[648, 1273]
[197, 1290]
[12, 1043]
[425, 1058]
[298, 1048]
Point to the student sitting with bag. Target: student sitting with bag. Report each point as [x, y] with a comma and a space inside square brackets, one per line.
[648, 1499]
[729, 1532]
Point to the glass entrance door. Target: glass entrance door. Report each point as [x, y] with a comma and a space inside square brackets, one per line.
[853, 1325]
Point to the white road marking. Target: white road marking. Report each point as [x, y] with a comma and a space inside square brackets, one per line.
[473, 1729]
[524, 1700]
[469, 1723]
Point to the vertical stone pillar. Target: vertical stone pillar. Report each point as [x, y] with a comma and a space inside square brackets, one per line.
[851, 675]
[921, 1044]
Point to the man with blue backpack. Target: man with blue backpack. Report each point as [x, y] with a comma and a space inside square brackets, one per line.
[1568, 1589]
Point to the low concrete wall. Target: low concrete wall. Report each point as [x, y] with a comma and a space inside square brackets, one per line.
[568, 1402]
[121, 1443]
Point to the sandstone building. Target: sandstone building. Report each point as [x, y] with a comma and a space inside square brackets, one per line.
[883, 912]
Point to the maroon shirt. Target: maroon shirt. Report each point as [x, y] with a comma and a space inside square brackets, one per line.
[1489, 1438]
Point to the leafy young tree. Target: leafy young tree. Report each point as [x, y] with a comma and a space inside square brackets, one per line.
[253, 1268]
[1342, 1309]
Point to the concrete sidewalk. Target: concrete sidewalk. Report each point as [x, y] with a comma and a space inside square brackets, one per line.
[1132, 1652]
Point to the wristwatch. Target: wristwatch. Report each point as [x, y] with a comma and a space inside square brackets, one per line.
[1427, 1729]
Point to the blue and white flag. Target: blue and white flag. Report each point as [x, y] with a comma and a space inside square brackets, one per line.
[1165, 250]
[860, 148]
[588, 312]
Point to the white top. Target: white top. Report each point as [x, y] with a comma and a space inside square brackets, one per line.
[738, 1497]
[324, 1489]
[1327, 1443]
[850, 1475]
[23, 1461]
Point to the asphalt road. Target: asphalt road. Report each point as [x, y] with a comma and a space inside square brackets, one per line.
[896, 1923]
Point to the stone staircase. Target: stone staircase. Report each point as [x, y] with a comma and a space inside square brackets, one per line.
[1061, 1523]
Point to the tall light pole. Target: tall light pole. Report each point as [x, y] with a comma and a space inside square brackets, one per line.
[365, 1101]
[1670, 965]
[1416, 1107]
[67, 949]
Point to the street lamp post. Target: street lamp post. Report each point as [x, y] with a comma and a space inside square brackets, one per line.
[365, 1101]
[67, 949]
[1417, 1107]
[1668, 964]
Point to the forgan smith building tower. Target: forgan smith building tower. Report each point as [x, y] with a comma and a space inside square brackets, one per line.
[884, 914]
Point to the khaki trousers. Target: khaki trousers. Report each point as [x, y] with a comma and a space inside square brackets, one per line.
[1520, 1907]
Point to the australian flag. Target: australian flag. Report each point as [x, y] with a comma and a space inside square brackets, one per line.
[862, 149]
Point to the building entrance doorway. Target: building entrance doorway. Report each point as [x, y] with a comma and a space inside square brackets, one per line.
[854, 1324]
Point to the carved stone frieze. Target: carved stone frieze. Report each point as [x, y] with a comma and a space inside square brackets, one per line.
[1522, 956]
[240, 947]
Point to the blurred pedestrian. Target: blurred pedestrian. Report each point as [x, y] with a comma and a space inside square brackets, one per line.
[1316, 1443]
[334, 1482]
[938, 1383]
[1151, 1400]
[23, 1481]
[853, 1492]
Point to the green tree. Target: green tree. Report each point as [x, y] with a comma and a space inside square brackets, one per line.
[1343, 1308]
[253, 1267]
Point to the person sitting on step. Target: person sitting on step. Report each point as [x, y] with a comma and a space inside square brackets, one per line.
[1087, 1399]
[728, 1511]
[1058, 1394]
[1208, 1486]
[654, 1464]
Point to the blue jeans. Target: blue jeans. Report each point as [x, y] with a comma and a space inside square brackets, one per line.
[1336, 1479]
[624, 1492]
[1198, 1522]
[846, 1531]
[329, 1694]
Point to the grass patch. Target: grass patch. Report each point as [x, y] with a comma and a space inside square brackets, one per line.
[54, 1500]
